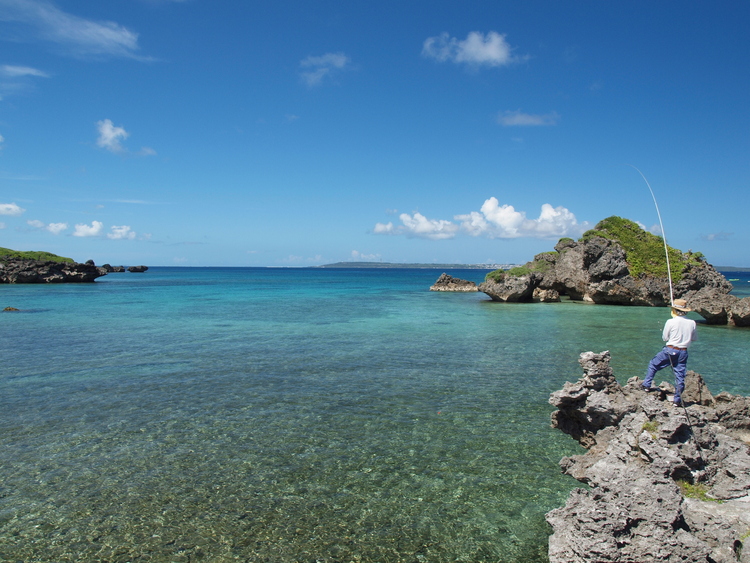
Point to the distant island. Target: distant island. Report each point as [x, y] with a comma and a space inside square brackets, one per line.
[417, 266]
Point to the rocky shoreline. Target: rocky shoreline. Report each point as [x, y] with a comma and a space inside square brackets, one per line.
[21, 270]
[664, 483]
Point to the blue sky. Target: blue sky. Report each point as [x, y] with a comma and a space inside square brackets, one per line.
[298, 133]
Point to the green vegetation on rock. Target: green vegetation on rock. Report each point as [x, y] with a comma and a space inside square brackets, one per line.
[643, 250]
[495, 275]
[697, 491]
[6, 253]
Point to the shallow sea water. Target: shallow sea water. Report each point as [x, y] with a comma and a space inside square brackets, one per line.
[298, 415]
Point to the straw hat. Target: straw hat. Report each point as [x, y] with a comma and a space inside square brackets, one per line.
[680, 305]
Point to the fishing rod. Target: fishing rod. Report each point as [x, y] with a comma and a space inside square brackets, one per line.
[671, 302]
[663, 236]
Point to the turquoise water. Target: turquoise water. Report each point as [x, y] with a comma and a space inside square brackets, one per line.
[298, 415]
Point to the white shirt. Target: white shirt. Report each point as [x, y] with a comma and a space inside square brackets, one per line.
[679, 332]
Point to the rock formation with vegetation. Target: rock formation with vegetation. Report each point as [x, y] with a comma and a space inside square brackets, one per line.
[44, 267]
[619, 263]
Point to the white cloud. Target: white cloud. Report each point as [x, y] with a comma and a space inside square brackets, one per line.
[94, 230]
[2, 140]
[317, 68]
[10, 209]
[491, 221]
[384, 229]
[110, 136]
[503, 221]
[476, 50]
[518, 118]
[57, 228]
[122, 232]
[79, 36]
[419, 226]
[54, 228]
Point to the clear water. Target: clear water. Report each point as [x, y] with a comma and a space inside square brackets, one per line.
[297, 415]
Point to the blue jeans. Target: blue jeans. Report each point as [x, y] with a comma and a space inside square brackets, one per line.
[678, 360]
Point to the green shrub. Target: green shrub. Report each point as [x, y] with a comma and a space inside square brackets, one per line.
[519, 271]
[495, 275]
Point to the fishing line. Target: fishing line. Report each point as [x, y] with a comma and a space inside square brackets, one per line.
[663, 236]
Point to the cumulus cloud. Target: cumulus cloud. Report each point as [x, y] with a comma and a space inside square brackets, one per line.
[476, 50]
[110, 136]
[491, 221]
[54, 228]
[503, 221]
[315, 69]
[518, 118]
[418, 226]
[78, 36]
[57, 228]
[10, 209]
[121, 232]
[93, 230]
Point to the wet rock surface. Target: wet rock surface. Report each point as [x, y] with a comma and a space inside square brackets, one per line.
[664, 483]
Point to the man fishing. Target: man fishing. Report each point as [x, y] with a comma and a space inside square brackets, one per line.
[678, 333]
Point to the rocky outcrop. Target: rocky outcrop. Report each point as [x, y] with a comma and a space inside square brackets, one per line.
[509, 289]
[137, 269]
[598, 269]
[719, 308]
[15, 270]
[113, 269]
[449, 283]
[664, 483]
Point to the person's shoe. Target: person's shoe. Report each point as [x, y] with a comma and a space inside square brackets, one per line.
[650, 389]
[676, 404]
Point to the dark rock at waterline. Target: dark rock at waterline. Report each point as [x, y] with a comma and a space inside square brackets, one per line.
[16, 270]
[137, 269]
[664, 483]
[449, 283]
[113, 269]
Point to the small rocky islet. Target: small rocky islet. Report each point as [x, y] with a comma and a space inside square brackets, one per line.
[617, 263]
